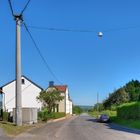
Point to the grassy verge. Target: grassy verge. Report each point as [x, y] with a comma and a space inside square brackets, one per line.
[11, 130]
[113, 116]
[107, 112]
[128, 123]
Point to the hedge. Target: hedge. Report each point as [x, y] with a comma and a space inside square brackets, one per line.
[129, 111]
[44, 115]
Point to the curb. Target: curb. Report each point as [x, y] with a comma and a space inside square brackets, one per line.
[56, 120]
[59, 119]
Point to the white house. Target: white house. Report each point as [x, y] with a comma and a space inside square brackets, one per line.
[66, 104]
[30, 91]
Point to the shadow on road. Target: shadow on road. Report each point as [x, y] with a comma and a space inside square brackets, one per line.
[91, 120]
[122, 128]
[116, 127]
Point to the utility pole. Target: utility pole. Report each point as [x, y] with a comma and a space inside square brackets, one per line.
[18, 109]
[97, 101]
[18, 101]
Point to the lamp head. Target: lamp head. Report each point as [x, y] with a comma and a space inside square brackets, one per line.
[100, 34]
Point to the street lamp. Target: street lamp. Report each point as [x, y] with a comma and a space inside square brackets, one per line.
[100, 34]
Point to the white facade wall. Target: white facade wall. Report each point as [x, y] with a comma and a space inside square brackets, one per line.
[67, 101]
[29, 94]
[70, 107]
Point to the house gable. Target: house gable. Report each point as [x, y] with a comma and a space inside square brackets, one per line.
[21, 79]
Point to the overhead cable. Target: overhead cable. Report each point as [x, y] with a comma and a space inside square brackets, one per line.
[25, 7]
[10, 4]
[39, 52]
[60, 29]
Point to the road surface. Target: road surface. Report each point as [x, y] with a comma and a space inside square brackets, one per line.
[82, 127]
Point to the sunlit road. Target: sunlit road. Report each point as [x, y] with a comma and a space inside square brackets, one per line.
[82, 127]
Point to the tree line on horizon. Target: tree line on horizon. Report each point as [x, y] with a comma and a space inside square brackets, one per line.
[130, 92]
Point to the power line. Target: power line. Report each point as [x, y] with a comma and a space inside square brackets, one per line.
[25, 7]
[61, 29]
[40, 54]
[22, 11]
[81, 30]
[122, 28]
[10, 5]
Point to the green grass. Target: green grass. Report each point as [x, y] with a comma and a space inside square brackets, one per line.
[107, 112]
[128, 123]
[11, 130]
[57, 115]
[113, 116]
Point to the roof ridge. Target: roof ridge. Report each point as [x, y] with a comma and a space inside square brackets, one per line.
[26, 79]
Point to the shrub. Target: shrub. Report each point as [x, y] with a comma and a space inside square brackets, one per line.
[77, 110]
[129, 111]
[5, 116]
[107, 112]
[44, 115]
[56, 115]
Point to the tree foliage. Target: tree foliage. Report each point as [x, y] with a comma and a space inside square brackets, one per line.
[77, 110]
[98, 107]
[50, 98]
[128, 93]
[116, 98]
[133, 89]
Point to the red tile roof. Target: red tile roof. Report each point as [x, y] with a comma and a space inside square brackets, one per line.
[61, 88]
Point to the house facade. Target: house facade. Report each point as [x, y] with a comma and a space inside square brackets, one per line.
[64, 105]
[29, 92]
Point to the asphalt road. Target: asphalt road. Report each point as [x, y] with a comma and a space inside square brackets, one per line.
[82, 127]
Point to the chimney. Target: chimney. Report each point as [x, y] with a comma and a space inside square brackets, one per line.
[51, 83]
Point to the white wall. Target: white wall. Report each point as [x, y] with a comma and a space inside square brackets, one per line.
[67, 101]
[70, 107]
[29, 94]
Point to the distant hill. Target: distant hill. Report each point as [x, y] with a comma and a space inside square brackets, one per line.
[85, 107]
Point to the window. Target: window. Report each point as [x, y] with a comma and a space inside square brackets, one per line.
[23, 81]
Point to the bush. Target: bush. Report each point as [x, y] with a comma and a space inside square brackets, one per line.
[77, 110]
[56, 115]
[129, 111]
[44, 115]
[5, 116]
[107, 112]
[113, 107]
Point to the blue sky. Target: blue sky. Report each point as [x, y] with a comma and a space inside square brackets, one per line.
[86, 63]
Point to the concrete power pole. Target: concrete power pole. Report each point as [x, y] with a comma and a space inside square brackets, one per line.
[97, 101]
[18, 110]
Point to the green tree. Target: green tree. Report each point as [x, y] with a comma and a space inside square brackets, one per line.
[98, 107]
[50, 98]
[133, 89]
[77, 110]
[116, 98]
